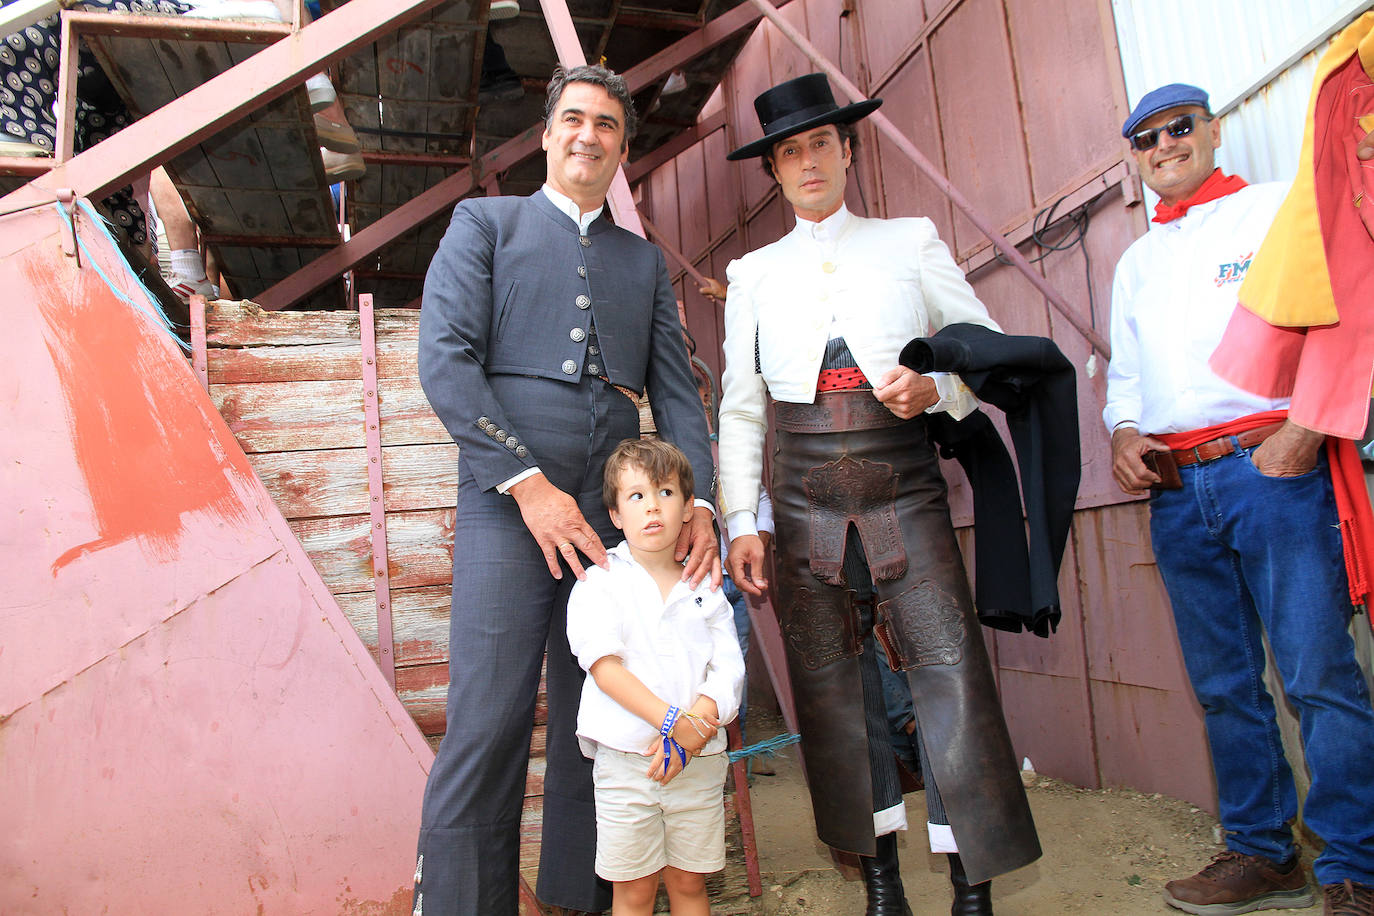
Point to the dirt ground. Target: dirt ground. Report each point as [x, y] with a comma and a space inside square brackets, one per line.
[1107, 852]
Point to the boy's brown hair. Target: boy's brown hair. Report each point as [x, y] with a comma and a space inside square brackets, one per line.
[660, 461]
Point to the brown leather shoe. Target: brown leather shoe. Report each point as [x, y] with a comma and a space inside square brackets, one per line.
[1348, 898]
[1236, 883]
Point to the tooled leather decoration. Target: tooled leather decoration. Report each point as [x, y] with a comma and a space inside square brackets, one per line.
[820, 628]
[924, 626]
[862, 492]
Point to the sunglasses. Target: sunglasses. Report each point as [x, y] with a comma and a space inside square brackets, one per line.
[1181, 126]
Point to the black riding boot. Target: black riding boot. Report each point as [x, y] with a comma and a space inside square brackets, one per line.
[883, 880]
[969, 900]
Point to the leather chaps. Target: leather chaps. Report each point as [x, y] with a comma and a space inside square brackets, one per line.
[839, 464]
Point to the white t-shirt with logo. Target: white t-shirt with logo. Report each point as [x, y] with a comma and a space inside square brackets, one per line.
[1173, 296]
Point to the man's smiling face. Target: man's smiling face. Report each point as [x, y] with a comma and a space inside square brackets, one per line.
[584, 144]
[1177, 166]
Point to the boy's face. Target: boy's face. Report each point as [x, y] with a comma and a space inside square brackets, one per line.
[651, 515]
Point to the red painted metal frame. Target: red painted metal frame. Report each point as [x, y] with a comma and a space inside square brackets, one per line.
[66, 91]
[25, 166]
[679, 144]
[202, 112]
[199, 356]
[744, 808]
[376, 503]
[389, 157]
[446, 193]
[267, 241]
[378, 235]
[671, 251]
[717, 31]
[883, 123]
[529, 903]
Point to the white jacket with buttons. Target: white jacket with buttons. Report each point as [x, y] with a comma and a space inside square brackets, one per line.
[880, 283]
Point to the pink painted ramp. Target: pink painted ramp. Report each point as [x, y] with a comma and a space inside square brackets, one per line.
[188, 723]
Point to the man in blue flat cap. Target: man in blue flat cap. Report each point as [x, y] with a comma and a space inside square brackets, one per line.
[1245, 531]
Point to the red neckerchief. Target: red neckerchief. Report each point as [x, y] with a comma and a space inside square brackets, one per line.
[1216, 185]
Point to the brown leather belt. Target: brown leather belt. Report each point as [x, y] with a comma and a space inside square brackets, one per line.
[1223, 446]
[844, 411]
[628, 392]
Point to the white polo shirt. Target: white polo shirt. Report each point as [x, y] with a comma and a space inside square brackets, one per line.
[681, 649]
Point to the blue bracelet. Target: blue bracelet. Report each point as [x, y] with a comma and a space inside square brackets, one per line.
[666, 730]
[668, 745]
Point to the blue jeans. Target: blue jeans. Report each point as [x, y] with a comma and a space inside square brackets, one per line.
[740, 602]
[1239, 551]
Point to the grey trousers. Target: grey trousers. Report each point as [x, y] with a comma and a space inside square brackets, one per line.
[506, 609]
[887, 786]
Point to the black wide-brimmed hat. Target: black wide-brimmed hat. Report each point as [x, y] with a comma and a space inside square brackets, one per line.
[797, 105]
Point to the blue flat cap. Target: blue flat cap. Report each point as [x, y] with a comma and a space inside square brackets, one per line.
[1162, 99]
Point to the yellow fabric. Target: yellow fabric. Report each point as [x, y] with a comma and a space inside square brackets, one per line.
[1288, 284]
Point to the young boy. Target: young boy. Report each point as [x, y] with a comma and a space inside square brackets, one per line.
[666, 674]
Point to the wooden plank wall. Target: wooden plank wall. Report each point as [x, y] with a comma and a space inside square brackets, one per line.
[289, 384]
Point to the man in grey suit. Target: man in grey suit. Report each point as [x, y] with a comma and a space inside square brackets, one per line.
[541, 323]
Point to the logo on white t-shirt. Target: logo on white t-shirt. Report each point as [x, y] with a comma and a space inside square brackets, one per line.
[1233, 271]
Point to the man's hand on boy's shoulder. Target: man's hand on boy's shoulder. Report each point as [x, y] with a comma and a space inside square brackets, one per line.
[698, 545]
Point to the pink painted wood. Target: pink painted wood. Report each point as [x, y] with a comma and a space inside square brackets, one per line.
[679, 144]
[200, 362]
[376, 493]
[66, 92]
[192, 716]
[716, 32]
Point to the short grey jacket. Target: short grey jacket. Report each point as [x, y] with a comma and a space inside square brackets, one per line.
[513, 289]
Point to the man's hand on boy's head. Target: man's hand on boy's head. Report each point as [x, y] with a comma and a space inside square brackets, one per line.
[698, 545]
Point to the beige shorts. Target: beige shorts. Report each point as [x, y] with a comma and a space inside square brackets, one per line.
[643, 825]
